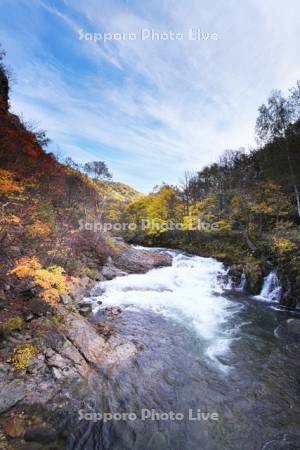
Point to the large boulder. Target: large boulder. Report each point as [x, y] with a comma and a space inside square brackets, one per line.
[110, 271]
[63, 357]
[134, 260]
[42, 434]
[95, 350]
[85, 338]
[293, 327]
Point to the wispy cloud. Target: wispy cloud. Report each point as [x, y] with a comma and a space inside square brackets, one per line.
[151, 109]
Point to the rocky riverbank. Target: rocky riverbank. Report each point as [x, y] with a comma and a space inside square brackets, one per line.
[52, 358]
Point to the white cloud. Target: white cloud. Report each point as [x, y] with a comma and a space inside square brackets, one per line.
[161, 107]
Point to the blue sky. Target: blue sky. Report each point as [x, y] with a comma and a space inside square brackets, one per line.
[150, 108]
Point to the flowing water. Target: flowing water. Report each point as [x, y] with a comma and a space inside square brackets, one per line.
[271, 290]
[209, 354]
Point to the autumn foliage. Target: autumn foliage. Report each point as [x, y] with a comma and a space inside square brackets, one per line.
[42, 248]
[51, 281]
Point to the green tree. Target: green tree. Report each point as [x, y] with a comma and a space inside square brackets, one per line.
[97, 169]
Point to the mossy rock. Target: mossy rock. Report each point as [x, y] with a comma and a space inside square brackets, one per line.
[12, 324]
[254, 276]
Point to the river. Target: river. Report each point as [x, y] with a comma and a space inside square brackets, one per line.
[212, 372]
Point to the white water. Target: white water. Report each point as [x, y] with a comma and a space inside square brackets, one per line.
[271, 290]
[189, 291]
[243, 282]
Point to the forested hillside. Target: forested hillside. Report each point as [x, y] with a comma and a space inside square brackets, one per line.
[42, 202]
[244, 209]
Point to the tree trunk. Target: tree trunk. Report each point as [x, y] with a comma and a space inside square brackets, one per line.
[249, 242]
[294, 181]
[297, 198]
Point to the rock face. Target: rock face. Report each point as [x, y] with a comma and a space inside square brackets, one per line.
[132, 260]
[14, 427]
[110, 271]
[41, 434]
[83, 336]
[72, 351]
[95, 350]
[139, 261]
[78, 349]
[11, 394]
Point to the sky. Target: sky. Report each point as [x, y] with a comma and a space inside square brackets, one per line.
[151, 87]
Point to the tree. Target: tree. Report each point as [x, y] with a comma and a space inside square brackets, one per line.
[72, 164]
[4, 88]
[273, 122]
[274, 118]
[186, 187]
[98, 169]
[294, 102]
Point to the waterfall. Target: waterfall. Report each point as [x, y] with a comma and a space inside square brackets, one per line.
[243, 282]
[271, 289]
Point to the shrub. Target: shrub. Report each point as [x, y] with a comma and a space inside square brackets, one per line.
[223, 225]
[21, 356]
[38, 229]
[283, 245]
[51, 280]
[12, 324]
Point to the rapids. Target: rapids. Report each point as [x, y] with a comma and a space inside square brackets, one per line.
[202, 348]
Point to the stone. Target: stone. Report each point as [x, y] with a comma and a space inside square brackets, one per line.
[114, 311]
[104, 328]
[94, 348]
[140, 261]
[11, 394]
[39, 391]
[66, 299]
[85, 281]
[41, 434]
[55, 339]
[49, 352]
[119, 351]
[75, 361]
[293, 327]
[97, 291]
[63, 367]
[85, 310]
[117, 239]
[30, 446]
[98, 276]
[29, 317]
[36, 366]
[109, 272]
[14, 427]
[4, 369]
[85, 339]
[15, 251]
[57, 361]
[57, 373]
[38, 307]
[3, 442]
